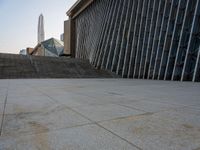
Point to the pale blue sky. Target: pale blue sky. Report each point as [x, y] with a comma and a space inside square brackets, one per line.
[19, 19]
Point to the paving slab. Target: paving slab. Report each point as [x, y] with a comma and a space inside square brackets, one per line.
[106, 97]
[25, 104]
[197, 106]
[55, 117]
[100, 114]
[164, 92]
[72, 99]
[150, 132]
[4, 84]
[106, 112]
[183, 115]
[182, 99]
[2, 102]
[89, 137]
[21, 92]
[63, 89]
[2, 95]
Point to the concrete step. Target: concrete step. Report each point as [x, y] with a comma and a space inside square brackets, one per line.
[19, 66]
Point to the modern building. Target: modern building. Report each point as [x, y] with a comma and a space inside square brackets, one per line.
[26, 51]
[146, 39]
[66, 38]
[51, 47]
[41, 35]
[23, 52]
[29, 50]
[62, 37]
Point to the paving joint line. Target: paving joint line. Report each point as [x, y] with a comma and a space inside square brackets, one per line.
[4, 109]
[178, 107]
[121, 118]
[92, 121]
[123, 139]
[132, 108]
[96, 123]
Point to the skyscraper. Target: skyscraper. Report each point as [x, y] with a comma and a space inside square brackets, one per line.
[41, 29]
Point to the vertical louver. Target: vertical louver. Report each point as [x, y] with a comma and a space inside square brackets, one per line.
[146, 39]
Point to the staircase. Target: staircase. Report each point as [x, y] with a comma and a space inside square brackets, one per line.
[18, 66]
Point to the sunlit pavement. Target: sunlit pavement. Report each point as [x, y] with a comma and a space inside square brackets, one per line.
[99, 114]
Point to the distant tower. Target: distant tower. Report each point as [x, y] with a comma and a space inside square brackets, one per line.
[41, 29]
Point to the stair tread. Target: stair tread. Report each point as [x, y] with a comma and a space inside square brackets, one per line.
[18, 66]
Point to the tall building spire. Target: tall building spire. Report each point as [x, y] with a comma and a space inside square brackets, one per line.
[41, 29]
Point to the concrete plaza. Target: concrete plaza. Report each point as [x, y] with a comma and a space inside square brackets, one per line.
[99, 114]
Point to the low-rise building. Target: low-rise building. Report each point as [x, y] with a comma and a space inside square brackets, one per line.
[23, 52]
[51, 47]
[66, 38]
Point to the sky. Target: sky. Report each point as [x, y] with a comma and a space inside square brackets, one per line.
[19, 21]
